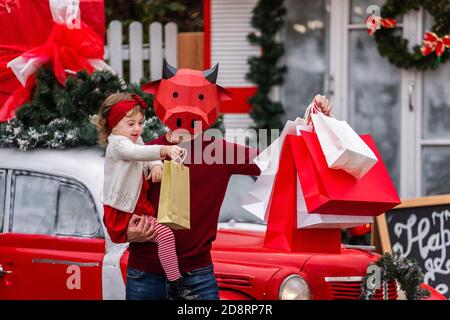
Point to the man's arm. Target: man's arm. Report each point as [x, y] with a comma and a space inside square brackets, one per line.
[244, 156]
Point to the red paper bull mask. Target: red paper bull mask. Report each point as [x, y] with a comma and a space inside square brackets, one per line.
[185, 96]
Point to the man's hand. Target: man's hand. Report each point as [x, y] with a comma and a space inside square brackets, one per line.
[155, 174]
[140, 229]
[323, 104]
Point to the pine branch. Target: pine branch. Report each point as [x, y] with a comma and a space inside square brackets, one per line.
[268, 19]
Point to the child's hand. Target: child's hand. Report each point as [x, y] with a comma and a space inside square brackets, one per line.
[323, 104]
[172, 151]
[155, 174]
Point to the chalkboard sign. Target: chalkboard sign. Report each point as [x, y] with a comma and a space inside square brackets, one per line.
[420, 229]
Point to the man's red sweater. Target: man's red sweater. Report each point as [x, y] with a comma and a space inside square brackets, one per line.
[208, 184]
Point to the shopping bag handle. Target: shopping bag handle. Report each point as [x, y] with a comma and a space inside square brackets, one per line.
[181, 158]
[313, 108]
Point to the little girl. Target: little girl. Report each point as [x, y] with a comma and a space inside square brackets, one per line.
[127, 164]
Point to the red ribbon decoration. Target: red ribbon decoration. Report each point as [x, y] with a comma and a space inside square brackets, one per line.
[120, 109]
[65, 49]
[8, 5]
[432, 42]
[374, 23]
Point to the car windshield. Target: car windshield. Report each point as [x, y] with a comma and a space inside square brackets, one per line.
[236, 193]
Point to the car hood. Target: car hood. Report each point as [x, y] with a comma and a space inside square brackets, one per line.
[241, 261]
[242, 264]
[350, 262]
[247, 247]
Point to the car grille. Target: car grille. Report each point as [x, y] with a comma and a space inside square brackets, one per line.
[351, 290]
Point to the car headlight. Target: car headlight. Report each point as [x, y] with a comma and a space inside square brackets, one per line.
[294, 287]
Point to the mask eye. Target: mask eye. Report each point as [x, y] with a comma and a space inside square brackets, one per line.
[201, 96]
[175, 94]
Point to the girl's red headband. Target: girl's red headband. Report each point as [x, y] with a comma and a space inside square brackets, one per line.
[120, 109]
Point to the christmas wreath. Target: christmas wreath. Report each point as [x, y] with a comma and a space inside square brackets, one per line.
[405, 271]
[435, 48]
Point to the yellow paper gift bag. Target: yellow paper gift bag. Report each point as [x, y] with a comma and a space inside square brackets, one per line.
[174, 198]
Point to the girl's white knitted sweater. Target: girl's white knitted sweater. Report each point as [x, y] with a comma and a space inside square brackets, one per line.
[125, 163]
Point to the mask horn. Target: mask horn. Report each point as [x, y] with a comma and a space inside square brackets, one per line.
[211, 74]
[168, 70]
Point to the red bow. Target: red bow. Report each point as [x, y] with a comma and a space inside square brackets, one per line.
[120, 109]
[9, 4]
[374, 23]
[432, 42]
[65, 50]
[141, 102]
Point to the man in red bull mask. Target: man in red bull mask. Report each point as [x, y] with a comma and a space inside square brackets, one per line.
[188, 102]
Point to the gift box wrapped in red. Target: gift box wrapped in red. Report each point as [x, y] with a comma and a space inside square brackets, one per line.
[28, 22]
[59, 32]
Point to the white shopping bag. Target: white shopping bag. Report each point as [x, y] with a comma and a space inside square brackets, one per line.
[258, 197]
[342, 146]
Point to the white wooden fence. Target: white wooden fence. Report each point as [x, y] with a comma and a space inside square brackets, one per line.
[163, 42]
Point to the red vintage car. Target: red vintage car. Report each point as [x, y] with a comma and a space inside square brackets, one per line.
[53, 244]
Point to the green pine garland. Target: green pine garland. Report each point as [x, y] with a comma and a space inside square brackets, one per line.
[405, 271]
[395, 47]
[59, 117]
[264, 70]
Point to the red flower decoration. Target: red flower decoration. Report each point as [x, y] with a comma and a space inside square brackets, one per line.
[8, 5]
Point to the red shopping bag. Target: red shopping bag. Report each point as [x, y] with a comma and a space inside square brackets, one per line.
[282, 232]
[331, 191]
